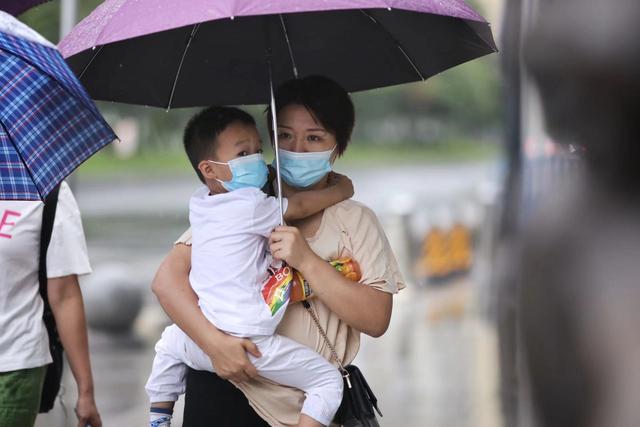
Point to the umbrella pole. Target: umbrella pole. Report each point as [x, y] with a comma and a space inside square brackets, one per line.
[274, 126]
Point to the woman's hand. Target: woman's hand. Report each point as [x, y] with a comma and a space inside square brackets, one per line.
[229, 358]
[363, 307]
[343, 182]
[87, 412]
[287, 244]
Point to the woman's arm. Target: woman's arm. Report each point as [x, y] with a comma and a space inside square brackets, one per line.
[361, 306]
[67, 306]
[177, 298]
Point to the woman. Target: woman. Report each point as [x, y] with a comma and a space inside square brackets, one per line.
[315, 121]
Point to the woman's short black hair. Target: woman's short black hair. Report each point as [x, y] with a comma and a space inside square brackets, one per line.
[201, 133]
[327, 102]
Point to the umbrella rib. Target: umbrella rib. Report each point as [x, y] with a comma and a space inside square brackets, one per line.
[286, 36]
[398, 45]
[184, 54]
[90, 62]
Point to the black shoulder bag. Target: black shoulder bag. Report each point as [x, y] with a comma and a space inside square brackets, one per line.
[53, 376]
[358, 401]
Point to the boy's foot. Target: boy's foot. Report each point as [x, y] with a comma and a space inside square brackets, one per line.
[163, 421]
[160, 417]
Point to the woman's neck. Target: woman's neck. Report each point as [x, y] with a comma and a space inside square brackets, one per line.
[309, 226]
[323, 183]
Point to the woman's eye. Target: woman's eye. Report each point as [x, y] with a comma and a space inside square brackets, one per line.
[314, 138]
[243, 153]
[284, 135]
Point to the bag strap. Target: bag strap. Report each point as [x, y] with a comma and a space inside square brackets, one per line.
[334, 354]
[48, 217]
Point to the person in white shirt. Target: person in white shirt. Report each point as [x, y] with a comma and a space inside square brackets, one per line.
[231, 220]
[24, 343]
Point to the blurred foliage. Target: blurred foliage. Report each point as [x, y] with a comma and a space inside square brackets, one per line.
[468, 94]
[173, 162]
[45, 18]
[463, 102]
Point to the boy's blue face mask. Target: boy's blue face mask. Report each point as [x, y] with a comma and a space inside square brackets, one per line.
[302, 170]
[247, 171]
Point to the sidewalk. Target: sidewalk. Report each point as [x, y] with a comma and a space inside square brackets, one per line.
[426, 371]
[435, 366]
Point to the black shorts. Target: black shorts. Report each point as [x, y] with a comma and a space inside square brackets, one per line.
[211, 401]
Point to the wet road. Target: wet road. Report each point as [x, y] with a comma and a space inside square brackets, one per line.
[436, 366]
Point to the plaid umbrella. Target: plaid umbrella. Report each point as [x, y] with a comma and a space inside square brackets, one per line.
[48, 123]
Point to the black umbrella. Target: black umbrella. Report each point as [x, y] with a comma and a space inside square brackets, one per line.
[184, 54]
[225, 60]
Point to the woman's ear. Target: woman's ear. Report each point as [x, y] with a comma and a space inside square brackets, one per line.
[207, 170]
[334, 156]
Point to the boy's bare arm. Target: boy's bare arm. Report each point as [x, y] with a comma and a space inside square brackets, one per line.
[306, 203]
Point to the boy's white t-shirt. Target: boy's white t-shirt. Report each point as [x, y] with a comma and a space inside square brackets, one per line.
[23, 337]
[230, 257]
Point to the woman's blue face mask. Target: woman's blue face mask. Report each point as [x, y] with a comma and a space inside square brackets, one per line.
[247, 171]
[302, 170]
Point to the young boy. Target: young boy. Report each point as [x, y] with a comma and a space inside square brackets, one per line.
[231, 220]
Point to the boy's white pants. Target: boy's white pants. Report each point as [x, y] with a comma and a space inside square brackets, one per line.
[283, 361]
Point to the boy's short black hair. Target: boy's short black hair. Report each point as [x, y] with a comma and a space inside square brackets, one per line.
[327, 102]
[201, 133]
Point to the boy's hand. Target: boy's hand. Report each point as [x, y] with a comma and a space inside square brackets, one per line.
[287, 190]
[342, 183]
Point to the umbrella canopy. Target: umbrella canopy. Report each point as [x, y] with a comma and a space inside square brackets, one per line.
[48, 123]
[16, 7]
[168, 54]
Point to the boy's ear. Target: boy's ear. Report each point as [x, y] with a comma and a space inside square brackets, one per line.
[272, 173]
[207, 170]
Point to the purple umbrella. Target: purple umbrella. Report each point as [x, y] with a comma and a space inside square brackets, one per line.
[16, 7]
[170, 53]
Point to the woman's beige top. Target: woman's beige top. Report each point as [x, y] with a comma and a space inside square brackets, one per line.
[347, 229]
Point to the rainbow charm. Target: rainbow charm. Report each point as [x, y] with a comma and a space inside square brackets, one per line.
[277, 289]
